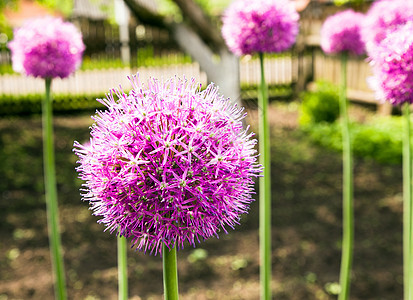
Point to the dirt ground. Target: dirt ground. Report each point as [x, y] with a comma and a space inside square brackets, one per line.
[306, 226]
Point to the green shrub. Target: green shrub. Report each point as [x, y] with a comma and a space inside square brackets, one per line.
[31, 104]
[97, 63]
[320, 105]
[6, 69]
[250, 91]
[146, 58]
[379, 139]
[325, 134]
[62, 103]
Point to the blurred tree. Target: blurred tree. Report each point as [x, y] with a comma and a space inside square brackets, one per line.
[5, 3]
[199, 35]
[4, 26]
[63, 6]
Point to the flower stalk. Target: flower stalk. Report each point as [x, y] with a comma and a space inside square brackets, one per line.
[407, 204]
[122, 268]
[51, 195]
[348, 211]
[265, 188]
[170, 273]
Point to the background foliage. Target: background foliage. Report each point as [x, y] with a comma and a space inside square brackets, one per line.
[320, 105]
[379, 138]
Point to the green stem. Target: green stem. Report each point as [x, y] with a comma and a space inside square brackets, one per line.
[122, 269]
[265, 188]
[348, 211]
[170, 273]
[407, 206]
[51, 195]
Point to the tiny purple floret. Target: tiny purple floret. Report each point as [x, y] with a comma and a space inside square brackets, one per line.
[168, 163]
[46, 47]
[341, 33]
[393, 66]
[254, 26]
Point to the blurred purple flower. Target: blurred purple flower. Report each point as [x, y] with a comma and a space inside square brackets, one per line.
[341, 32]
[252, 26]
[47, 48]
[168, 163]
[393, 66]
[384, 16]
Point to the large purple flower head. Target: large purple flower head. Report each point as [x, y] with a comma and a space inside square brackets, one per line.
[168, 163]
[252, 26]
[341, 33]
[382, 17]
[393, 66]
[47, 48]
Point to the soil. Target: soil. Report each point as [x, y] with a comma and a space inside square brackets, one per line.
[306, 225]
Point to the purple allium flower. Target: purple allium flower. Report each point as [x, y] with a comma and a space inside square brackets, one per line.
[384, 16]
[47, 47]
[168, 163]
[341, 32]
[393, 66]
[252, 26]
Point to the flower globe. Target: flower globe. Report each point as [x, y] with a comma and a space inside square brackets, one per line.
[392, 66]
[168, 163]
[47, 48]
[342, 33]
[252, 26]
[383, 17]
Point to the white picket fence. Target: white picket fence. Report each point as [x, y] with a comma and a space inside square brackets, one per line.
[277, 70]
[92, 82]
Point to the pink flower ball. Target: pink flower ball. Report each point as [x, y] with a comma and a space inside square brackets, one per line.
[251, 26]
[168, 163]
[393, 66]
[47, 48]
[341, 33]
[382, 17]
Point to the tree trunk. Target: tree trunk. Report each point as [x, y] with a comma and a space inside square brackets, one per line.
[223, 70]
